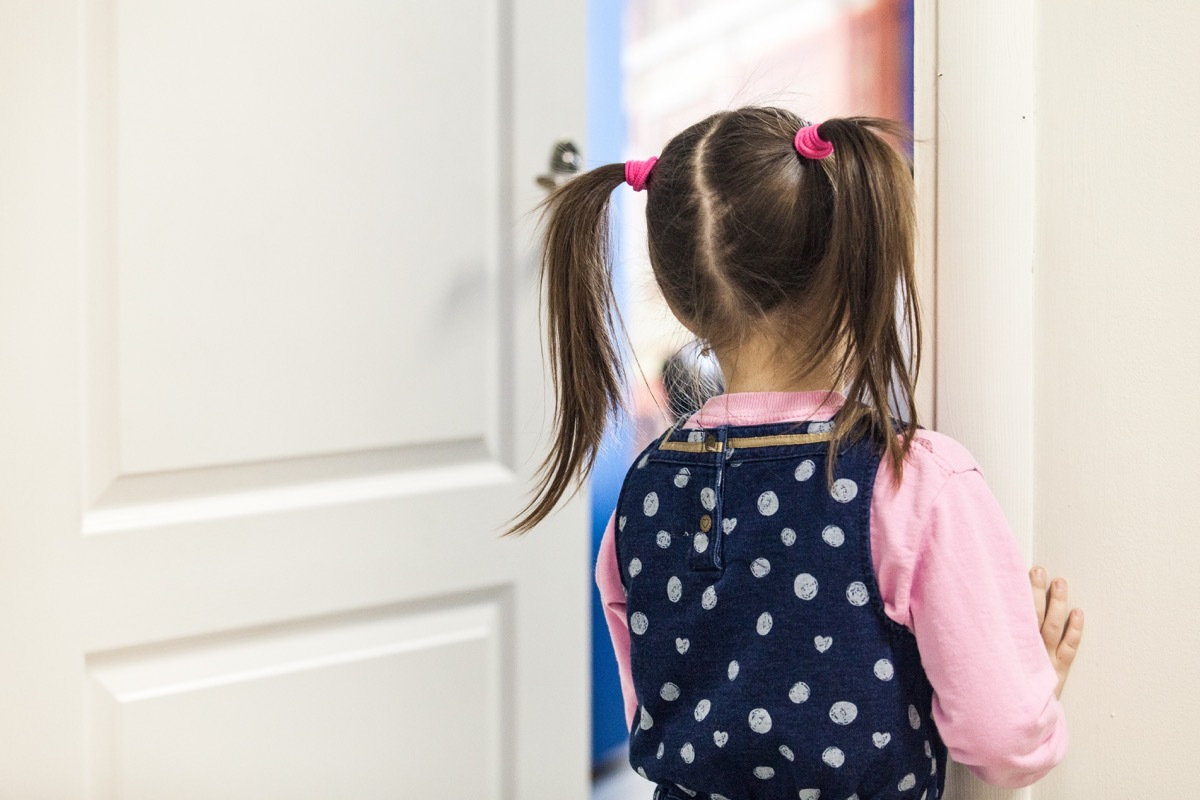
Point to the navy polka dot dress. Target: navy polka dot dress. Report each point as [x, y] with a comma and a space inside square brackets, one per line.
[763, 661]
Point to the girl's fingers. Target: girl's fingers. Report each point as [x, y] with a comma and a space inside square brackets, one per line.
[1037, 580]
[1071, 639]
[1056, 615]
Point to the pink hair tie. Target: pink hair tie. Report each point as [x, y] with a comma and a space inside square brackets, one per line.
[810, 144]
[636, 172]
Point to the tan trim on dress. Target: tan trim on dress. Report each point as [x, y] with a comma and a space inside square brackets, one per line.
[711, 445]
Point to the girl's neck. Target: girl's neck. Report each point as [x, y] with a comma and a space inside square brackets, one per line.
[756, 367]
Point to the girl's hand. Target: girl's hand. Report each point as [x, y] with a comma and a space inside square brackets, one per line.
[1061, 632]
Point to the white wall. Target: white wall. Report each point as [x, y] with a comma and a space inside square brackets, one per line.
[1068, 342]
[1117, 380]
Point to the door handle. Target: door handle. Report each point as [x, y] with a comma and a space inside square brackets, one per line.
[565, 163]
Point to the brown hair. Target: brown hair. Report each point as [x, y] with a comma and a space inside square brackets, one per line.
[746, 236]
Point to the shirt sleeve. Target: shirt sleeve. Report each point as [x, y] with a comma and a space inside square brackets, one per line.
[976, 628]
[612, 597]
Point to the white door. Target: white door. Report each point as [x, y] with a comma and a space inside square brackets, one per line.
[270, 384]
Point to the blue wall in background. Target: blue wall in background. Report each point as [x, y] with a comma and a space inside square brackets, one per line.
[605, 145]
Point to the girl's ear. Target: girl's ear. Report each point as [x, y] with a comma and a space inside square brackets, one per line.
[684, 321]
[690, 328]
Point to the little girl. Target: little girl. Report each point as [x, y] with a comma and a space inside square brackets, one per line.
[807, 596]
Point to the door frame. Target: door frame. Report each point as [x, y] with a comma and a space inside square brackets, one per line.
[974, 124]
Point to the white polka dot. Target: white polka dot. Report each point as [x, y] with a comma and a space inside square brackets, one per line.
[702, 709]
[760, 567]
[834, 757]
[856, 593]
[716, 796]
[686, 790]
[682, 645]
[768, 503]
[765, 773]
[621, 524]
[709, 598]
[799, 692]
[907, 782]
[644, 460]
[933, 767]
[733, 669]
[823, 643]
[674, 589]
[635, 566]
[805, 586]
[695, 436]
[763, 625]
[720, 738]
[760, 720]
[708, 498]
[663, 539]
[809, 794]
[843, 712]
[833, 536]
[661, 749]
[638, 623]
[914, 718]
[884, 670]
[805, 470]
[669, 692]
[881, 739]
[682, 477]
[687, 752]
[728, 525]
[700, 542]
[642, 772]
[844, 490]
[650, 504]
[647, 721]
[788, 536]
[928, 750]
[820, 427]
[787, 753]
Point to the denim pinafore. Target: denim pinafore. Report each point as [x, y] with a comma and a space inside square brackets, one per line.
[763, 662]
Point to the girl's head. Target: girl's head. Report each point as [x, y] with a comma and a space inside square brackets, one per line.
[753, 245]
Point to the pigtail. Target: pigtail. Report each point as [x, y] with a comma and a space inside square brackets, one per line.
[581, 317]
[869, 267]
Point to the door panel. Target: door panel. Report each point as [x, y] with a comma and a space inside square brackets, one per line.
[330, 697]
[278, 165]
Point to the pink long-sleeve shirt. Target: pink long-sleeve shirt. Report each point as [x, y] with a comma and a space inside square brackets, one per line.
[950, 571]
